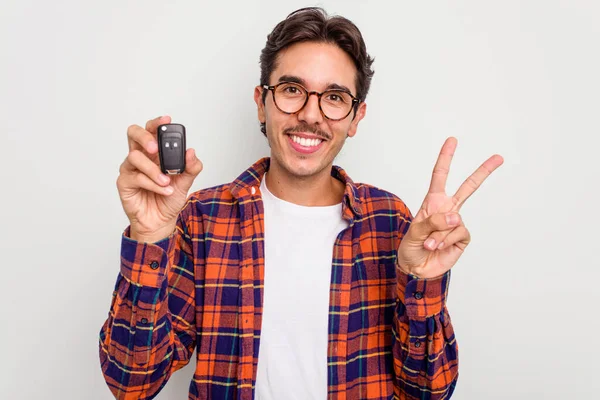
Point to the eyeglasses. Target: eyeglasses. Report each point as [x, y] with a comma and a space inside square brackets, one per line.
[290, 98]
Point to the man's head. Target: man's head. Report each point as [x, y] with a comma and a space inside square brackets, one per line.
[306, 53]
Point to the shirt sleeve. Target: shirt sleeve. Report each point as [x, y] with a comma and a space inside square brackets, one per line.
[150, 330]
[425, 349]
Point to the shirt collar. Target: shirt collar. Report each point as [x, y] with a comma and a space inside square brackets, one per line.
[249, 181]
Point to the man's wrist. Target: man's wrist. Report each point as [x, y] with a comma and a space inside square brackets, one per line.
[402, 269]
[416, 274]
[151, 237]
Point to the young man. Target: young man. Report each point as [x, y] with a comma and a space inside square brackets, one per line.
[291, 282]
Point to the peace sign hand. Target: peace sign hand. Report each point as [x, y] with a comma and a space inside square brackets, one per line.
[437, 237]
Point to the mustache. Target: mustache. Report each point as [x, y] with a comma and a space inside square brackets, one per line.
[307, 128]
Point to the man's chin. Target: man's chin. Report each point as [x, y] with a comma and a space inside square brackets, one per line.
[297, 164]
[303, 168]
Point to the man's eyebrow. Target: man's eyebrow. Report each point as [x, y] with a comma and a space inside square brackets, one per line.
[297, 79]
[293, 79]
[335, 86]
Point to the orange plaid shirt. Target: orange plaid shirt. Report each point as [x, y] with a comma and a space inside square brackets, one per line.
[390, 335]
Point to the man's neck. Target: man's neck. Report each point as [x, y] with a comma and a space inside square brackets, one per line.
[318, 190]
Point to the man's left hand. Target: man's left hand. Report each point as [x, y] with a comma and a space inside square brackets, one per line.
[437, 236]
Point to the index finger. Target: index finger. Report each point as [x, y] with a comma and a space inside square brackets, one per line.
[442, 166]
[472, 183]
[145, 139]
[152, 125]
[141, 139]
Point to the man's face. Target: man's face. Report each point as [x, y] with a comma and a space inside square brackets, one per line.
[318, 67]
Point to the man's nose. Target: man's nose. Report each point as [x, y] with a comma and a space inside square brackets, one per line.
[311, 113]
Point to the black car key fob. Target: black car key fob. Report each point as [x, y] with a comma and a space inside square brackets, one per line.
[171, 148]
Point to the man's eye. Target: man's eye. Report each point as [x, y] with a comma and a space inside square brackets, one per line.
[335, 98]
[291, 89]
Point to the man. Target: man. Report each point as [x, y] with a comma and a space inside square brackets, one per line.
[291, 282]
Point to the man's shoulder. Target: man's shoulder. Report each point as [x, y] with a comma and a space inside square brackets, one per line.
[231, 192]
[375, 200]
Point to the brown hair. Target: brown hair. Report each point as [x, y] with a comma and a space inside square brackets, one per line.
[313, 24]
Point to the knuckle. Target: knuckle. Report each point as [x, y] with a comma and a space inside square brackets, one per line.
[438, 236]
[439, 220]
[441, 170]
[430, 225]
[462, 234]
[472, 182]
[456, 200]
[131, 128]
[122, 182]
[139, 179]
[427, 224]
[134, 155]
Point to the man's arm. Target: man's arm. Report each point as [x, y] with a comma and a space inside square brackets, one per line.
[426, 358]
[150, 331]
[424, 347]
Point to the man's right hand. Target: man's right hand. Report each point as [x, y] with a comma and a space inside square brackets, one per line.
[152, 200]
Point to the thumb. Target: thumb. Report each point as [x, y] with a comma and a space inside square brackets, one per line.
[193, 166]
[435, 222]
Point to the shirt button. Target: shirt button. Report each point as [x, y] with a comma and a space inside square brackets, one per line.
[144, 320]
[154, 265]
[418, 295]
[253, 190]
[417, 344]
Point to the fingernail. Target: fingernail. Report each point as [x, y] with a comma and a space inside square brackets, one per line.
[163, 179]
[452, 219]
[430, 243]
[152, 147]
[441, 245]
[169, 190]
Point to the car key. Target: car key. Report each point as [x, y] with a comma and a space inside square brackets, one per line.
[171, 148]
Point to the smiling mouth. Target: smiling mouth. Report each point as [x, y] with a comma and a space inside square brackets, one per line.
[306, 142]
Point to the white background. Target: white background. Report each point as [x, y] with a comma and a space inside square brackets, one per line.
[518, 78]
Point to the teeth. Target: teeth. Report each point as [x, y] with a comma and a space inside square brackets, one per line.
[306, 142]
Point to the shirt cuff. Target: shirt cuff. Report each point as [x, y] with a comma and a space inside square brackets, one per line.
[422, 297]
[145, 264]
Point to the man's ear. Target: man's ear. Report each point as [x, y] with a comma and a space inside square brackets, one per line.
[361, 111]
[258, 91]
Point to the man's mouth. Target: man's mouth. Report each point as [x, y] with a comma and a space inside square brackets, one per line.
[303, 143]
[306, 142]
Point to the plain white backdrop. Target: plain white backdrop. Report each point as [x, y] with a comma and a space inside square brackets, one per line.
[518, 78]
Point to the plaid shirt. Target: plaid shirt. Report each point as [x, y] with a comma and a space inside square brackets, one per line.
[390, 335]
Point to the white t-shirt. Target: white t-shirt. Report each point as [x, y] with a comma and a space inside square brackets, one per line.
[292, 359]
